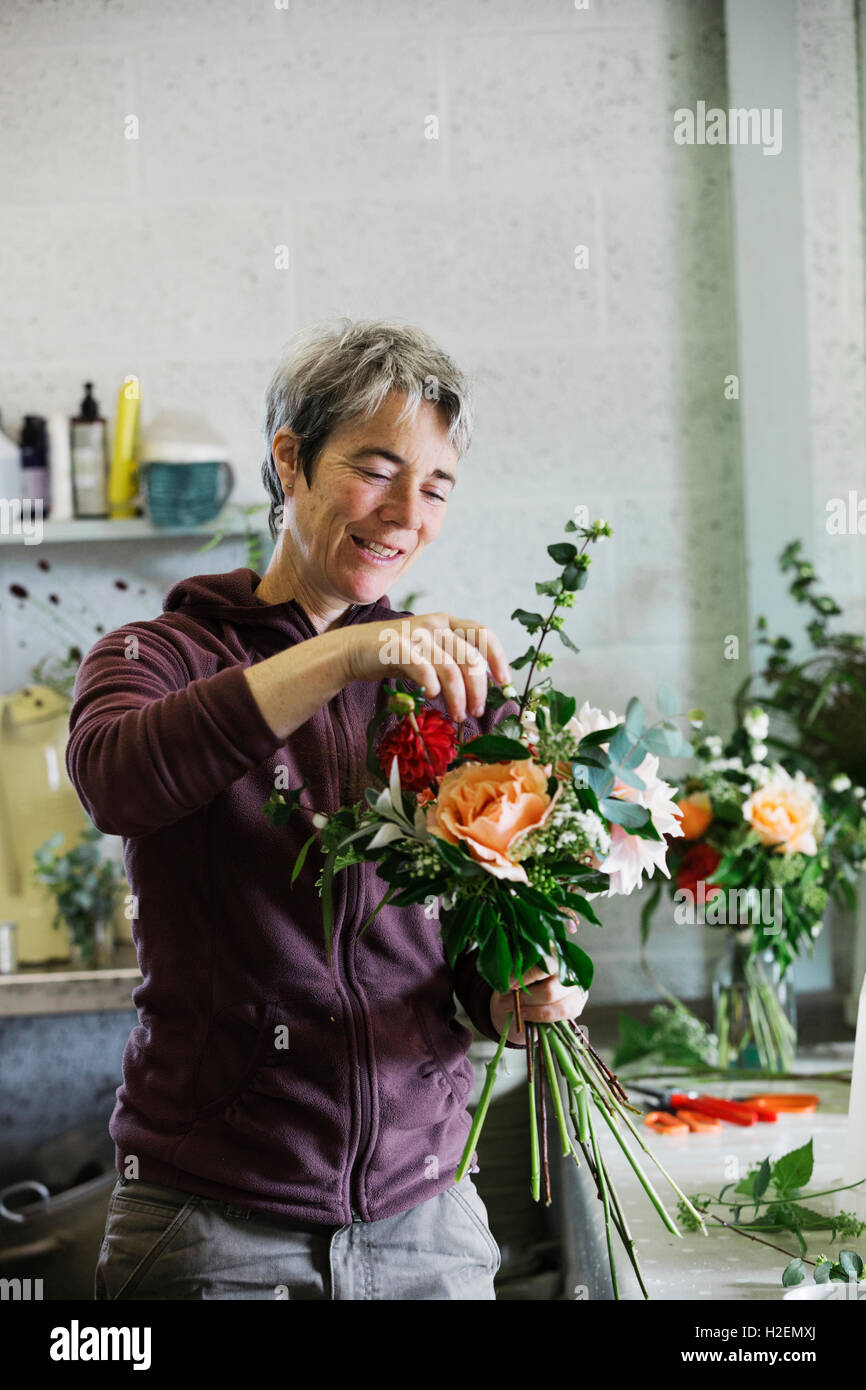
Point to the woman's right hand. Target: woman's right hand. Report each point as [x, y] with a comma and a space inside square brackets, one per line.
[436, 650]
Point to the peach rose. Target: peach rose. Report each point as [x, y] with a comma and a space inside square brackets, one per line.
[489, 807]
[786, 813]
[697, 813]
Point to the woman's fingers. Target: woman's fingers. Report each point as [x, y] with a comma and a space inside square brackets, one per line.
[485, 641]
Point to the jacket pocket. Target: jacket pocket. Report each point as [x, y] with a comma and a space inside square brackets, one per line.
[451, 1059]
[238, 1041]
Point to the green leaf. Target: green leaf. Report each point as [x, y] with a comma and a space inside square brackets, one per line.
[794, 1273]
[762, 1179]
[566, 640]
[634, 718]
[562, 552]
[581, 906]
[793, 1170]
[493, 748]
[528, 619]
[579, 963]
[599, 736]
[628, 775]
[822, 1273]
[519, 661]
[548, 586]
[625, 813]
[456, 858]
[664, 742]
[494, 959]
[511, 727]
[851, 1262]
[533, 928]
[561, 708]
[600, 780]
[302, 854]
[634, 1041]
[572, 576]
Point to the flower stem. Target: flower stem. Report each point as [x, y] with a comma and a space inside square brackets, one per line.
[641, 1175]
[483, 1103]
[601, 1183]
[567, 1146]
[535, 1181]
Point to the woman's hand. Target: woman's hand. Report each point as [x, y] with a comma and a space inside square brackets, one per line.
[436, 650]
[544, 1001]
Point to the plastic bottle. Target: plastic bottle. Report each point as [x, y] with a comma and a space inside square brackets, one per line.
[60, 461]
[10, 471]
[123, 473]
[35, 479]
[89, 459]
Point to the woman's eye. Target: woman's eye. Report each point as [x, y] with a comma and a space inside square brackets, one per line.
[383, 477]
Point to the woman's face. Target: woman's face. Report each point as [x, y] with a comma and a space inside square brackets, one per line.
[375, 481]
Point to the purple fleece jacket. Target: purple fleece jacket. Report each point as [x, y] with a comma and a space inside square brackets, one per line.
[255, 1075]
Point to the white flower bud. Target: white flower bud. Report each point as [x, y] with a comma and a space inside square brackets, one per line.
[319, 821]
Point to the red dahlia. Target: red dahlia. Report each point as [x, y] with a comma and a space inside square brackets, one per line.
[698, 862]
[422, 755]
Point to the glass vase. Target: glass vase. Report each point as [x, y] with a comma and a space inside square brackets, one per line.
[755, 1009]
[97, 952]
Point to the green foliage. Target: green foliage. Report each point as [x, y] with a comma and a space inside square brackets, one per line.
[674, 1037]
[85, 886]
[819, 701]
[778, 1188]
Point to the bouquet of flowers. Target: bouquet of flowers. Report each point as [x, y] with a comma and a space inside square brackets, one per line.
[516, 833]
[760, 853]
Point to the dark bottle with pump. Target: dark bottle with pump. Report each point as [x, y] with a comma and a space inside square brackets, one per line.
[35, 476]
[89, 457]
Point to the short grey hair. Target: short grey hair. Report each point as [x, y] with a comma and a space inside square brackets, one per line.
[340, 371]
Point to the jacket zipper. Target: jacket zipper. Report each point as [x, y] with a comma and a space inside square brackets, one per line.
[359, 1022]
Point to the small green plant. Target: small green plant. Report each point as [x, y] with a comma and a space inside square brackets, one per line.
[778, 1187]
[84, 885]
[673, 1037]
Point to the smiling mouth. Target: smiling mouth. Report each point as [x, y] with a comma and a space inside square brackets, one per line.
[376, 552]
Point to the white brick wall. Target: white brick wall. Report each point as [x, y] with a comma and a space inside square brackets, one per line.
[603, 386]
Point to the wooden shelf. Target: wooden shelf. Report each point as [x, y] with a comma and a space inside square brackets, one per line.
[55, 989]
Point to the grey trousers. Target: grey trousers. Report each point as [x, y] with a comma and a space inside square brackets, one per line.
[162, 1243]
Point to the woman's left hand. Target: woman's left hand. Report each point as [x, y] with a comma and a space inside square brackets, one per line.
[544, 1000]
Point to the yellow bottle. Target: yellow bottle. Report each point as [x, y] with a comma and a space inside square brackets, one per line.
[123, 471]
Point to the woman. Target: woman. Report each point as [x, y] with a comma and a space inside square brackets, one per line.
[284, 1129]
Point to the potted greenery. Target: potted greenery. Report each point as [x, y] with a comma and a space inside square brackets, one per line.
[86, 888]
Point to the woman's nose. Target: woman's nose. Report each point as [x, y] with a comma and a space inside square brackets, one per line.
[404, 510]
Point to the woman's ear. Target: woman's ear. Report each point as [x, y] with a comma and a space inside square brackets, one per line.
[285, 452]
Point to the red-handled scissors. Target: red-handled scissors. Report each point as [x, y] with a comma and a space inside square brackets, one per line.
[705, 1105]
